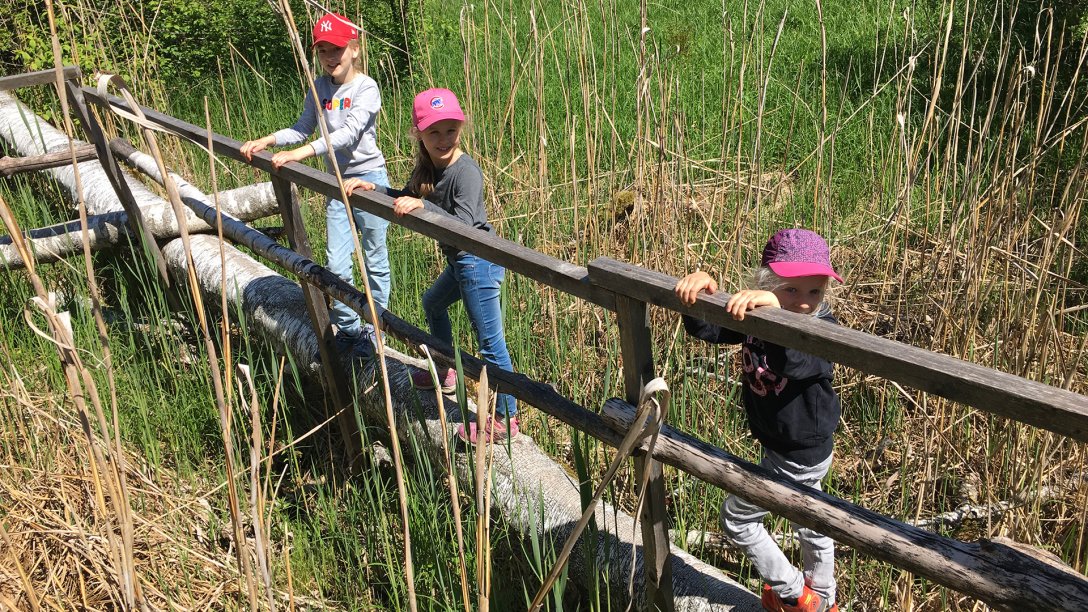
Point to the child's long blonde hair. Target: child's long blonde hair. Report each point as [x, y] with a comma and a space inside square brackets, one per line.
[421, 182]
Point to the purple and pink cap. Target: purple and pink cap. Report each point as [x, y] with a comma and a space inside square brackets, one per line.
[798, 252]
[435, 105]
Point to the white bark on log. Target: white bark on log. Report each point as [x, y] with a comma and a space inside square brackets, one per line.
[31, 135]
[531, 491]
[56, 242]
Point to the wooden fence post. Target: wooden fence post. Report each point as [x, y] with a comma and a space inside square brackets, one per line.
[638, 368]
[120, 187]
[331, 364]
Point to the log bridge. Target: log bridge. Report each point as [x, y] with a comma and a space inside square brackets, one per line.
[1003, 575]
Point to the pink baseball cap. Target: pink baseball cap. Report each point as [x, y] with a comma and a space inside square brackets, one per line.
[798, 252]
[435, 105]
[335, 30]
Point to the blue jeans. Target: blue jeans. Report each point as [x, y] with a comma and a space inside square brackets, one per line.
[375, 253]
[476, 283]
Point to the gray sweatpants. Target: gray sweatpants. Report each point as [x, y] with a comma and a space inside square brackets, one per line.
[742, 523]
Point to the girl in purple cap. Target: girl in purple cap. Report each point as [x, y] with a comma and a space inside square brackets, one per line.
[446, 179]
[350, 102]
[792, 410]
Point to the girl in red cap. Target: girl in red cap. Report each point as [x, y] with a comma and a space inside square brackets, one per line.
[349, 102]
[446, 179]
[792, 410]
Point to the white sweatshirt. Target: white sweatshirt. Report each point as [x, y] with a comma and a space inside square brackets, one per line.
[350, 110]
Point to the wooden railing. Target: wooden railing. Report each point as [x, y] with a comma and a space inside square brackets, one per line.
[1004, 576]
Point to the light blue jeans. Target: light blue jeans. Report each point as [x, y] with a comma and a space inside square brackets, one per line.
[475, 282]
[340, 250]
[742, 522]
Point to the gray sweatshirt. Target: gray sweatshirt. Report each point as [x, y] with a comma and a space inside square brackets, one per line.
[350, 110]
[458, 191]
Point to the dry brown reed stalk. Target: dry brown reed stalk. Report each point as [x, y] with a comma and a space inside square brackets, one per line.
[256, 497]
[54, 525]
[219, 393]
[484, 414]
[117, 481]
[379, 341]
[224, 321]
[451, 477]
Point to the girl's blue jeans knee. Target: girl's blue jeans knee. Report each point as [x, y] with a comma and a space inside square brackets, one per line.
[340, 249]
[476, 282]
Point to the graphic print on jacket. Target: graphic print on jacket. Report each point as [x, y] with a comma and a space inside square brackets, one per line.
[791, 405]
[761, 378]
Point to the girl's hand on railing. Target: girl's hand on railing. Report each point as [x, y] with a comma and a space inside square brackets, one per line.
[406, 204]
[352, 184]
[688, 288]
[743, 301]
[294, 155]
[250, 147]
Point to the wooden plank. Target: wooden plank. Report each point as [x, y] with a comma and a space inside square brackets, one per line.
[332, 365]
[1027, 401]
[120, 186]
[565, 276]
[636, 344]
[997, 574]
[17, 165]
[39, 77]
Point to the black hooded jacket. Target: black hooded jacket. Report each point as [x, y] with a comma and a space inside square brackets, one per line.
[792, 408]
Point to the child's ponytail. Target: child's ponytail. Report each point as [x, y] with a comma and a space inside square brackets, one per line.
[421, 182]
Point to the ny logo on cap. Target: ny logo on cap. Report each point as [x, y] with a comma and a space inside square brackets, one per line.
[326, 26]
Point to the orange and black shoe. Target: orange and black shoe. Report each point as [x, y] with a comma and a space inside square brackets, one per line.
[770, 600]
[809, 601]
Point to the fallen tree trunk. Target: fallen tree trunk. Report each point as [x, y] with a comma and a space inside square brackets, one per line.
[28, 134]
[107, 230]
[532, 492]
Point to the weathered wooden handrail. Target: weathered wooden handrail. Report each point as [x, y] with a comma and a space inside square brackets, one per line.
[17, 165]
[39, 77]
[1060, 411]
[1009, 581]
[563, 275]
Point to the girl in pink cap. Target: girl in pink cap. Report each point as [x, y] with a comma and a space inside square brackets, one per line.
[445, 179]
[349, 102]
[792, 410]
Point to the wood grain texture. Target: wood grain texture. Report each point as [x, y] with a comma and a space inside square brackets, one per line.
[1000, 575]
[38, 77]
[1034, 403]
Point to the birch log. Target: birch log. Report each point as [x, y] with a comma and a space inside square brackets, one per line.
[28, 134]
[107, 230]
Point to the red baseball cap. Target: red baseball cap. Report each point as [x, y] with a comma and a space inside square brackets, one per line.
[335, 30]
[435, 105]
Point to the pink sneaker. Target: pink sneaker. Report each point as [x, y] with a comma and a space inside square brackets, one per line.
[421, 379]
[496, 430]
